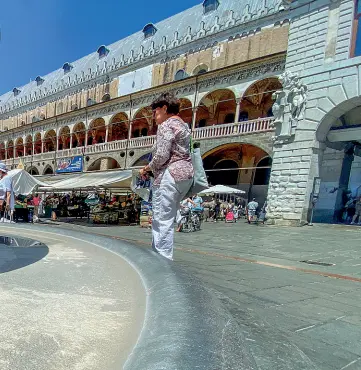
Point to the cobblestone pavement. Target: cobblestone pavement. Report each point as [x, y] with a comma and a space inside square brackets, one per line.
[295, 315]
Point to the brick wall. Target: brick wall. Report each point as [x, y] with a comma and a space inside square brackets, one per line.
[263, 43]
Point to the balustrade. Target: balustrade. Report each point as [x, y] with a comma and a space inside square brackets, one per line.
[224, 130]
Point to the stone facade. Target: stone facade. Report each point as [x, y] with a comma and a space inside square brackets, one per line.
[319, 52]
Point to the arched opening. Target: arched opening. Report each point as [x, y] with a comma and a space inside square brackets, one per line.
[48, 170]
[29, 145]
[64, 138]
[33, 171]
[235, 165]
[2, 151]
[215, 108]
[118, 127]
[106, 97]
[180, 75]
[103, 164]
[200, 69]
[97, 132]
[263, 172]
[143, 123]
[37, 143]
[10, 150]
[257, 100]
[19, 147]
[79, 135]
[50, 141]
[186, 110]
[339, 165]
[143, 160]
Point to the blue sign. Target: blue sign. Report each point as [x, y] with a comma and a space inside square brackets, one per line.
[74, 164]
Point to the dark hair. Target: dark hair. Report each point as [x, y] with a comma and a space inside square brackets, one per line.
[168, 100]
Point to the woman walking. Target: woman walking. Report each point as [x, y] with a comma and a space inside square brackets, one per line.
[172, 169]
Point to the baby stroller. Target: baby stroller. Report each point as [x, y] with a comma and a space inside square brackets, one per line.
[230, 216]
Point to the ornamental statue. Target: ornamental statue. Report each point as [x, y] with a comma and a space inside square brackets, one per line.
[289, 106]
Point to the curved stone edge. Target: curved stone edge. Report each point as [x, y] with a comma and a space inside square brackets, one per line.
[185, 327]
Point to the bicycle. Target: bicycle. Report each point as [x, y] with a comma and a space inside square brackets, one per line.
[191, 220]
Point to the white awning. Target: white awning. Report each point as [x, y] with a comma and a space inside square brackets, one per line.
[24, 183]
[91, 180]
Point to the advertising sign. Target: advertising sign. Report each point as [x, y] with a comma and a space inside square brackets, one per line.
[66, 165]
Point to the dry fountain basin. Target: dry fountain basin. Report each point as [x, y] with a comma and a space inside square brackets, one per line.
[71, 300]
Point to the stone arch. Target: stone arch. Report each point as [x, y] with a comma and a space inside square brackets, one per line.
[64, 138]
[78, 134]
[234, 164]
[104, 163]
[48, 170]
[186, 110]
[263, 141]
[19, 147]
[143, 123]
[142, 160]
[118, 127]
[200, 69]
[37, 143]
[257, 100]
[33, 170]
[10, 149]
[263, 175]
[50, 141]
[97, 131]
[333, 115]
[215, 107]
[29, 145]
[2, 151]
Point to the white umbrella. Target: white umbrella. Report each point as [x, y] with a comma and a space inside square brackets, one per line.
[222, 189]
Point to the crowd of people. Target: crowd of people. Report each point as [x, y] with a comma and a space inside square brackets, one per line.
[214, 209]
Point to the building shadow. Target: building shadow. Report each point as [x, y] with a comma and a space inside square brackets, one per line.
[16, 253]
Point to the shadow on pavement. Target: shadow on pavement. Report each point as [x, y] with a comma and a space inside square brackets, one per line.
[16, 253]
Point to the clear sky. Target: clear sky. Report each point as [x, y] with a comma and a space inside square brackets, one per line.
[39, 36]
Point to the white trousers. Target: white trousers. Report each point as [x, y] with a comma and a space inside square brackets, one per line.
[165, 203]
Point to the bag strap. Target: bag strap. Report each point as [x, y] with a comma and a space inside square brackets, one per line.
[191, 149]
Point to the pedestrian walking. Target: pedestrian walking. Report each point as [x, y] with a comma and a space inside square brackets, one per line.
[7, 197]
[357, 215]
[172, 168]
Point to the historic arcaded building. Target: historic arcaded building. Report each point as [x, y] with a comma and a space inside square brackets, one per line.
[222, 58]
[265, 85]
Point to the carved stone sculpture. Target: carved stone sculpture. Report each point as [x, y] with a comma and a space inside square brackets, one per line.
[290, 105]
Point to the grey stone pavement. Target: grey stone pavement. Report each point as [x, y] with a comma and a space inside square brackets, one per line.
[294, 315]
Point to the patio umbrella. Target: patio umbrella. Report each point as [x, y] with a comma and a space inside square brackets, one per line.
[222, 189]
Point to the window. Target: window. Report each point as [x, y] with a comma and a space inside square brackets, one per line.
[149, 30]
[106, 97]
[103, 51]
[90, 102]
[67, 67]
[16, 91]
[210, 6]
[180, 75]
[39, 80]
[356, 37]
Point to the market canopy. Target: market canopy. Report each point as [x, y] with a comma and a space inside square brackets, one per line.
[222, 189]
[90, 180]
[23, 182]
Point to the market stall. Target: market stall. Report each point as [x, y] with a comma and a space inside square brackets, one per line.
[24, 185]
[98, 202]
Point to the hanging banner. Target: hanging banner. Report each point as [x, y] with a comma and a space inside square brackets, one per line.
[66, 165]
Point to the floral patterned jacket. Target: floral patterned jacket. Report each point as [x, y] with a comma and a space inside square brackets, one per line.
[172, 151]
